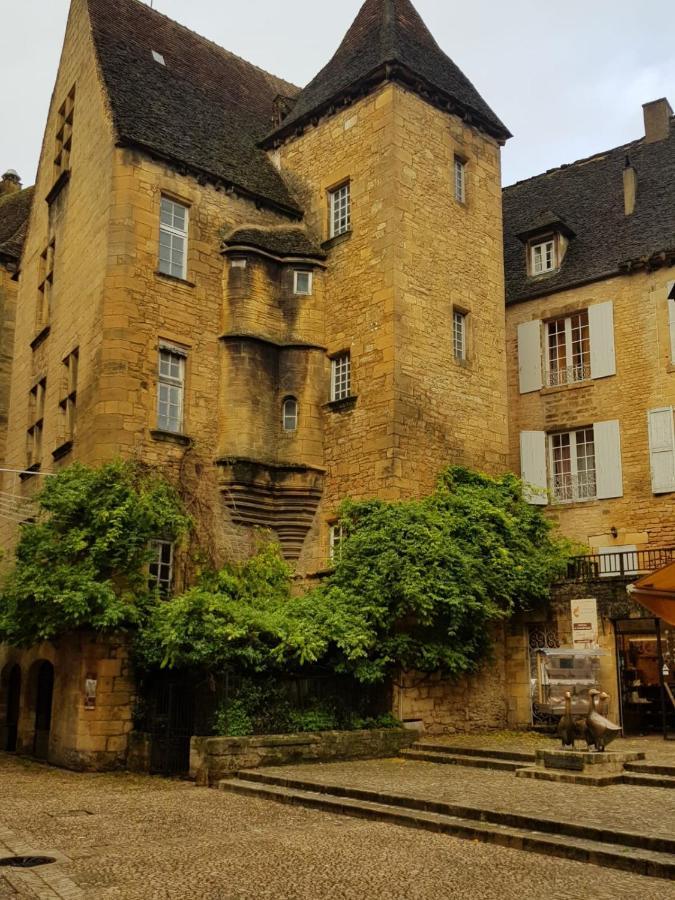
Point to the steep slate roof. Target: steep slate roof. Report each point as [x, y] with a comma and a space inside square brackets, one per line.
[281, 242]
[14, 214]
[588, 196]
[388, 39]
[206, 109]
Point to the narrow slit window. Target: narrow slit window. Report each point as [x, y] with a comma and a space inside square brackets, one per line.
[341, 377]
[340, 210]
[335, 539]
[173, 238]
[161, 567]
[45, 285]
[171, 390]
[460, 180]
[290, 414]
[36, 417]
[64, 135]
[68, 400]
[459, 335]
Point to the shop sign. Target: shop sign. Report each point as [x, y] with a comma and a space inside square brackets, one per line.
[584, 624]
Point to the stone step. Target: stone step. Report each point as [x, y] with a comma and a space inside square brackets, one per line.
[644, 768]
[657, 781]
[515, 756]
[604, 853]
[477, 762]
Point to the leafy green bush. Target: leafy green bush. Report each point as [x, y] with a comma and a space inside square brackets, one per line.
[83, 563]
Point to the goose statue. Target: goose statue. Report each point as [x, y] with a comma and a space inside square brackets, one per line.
[600, 732]
[566, 726]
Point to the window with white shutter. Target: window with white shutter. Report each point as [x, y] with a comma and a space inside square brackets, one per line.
[601, 327]
[609, 471]
[529, 357]
[670, 296]
[662, 449]
[533, 467]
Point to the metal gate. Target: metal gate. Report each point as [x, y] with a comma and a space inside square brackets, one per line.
[170, 722]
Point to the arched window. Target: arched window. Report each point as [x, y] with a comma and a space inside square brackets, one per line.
[290, 414]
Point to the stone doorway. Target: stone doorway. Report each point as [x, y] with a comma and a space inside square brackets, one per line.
[43, 709]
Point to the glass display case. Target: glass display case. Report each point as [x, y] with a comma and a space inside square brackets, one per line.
[560, 670]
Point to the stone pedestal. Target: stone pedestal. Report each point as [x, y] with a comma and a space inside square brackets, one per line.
[580, 767]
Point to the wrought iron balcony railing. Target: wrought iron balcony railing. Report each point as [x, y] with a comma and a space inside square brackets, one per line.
[568, 375]
[567, 488]
[623, 564]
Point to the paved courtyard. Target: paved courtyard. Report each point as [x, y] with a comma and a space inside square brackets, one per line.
[140, 838]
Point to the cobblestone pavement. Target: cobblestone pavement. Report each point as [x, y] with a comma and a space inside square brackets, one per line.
[139, 838]
[622, 807]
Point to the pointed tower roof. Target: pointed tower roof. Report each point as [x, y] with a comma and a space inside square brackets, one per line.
[389, 41]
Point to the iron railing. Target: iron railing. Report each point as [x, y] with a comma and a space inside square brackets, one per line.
[622, 564]
[567, 488]
[555, 377]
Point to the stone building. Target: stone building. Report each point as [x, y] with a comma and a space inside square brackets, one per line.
[284, 297]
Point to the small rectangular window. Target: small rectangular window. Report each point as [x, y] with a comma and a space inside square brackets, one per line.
[543, 257]
[290, 414]
[341, 377]
[460, 180]
[68, 402]
[173, 238]
[335, 538]
[302, 282]
[459, 335]
[171, 390]
[340, 210]
[161, 567]
[36, 416]
[572, 455]
[568, 350]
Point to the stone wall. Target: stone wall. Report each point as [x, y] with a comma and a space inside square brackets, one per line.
[446, 706]
[644, 381]
[213, 758]
[80, 737]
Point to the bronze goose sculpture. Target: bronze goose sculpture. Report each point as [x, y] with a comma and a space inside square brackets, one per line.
[599, 731]
[566, 727]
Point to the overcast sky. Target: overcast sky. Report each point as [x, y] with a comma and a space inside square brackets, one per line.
[568, 79]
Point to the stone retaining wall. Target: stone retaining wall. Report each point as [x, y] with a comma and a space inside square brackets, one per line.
[213, 758]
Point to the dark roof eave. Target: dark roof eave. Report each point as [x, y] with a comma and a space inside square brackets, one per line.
[184, 167]
[318, 258]
[389, 71]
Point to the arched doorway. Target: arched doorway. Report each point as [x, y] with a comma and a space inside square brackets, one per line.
[43, 709]
[13, 707]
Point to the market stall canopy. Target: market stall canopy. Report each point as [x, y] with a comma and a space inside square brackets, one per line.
[656, 592]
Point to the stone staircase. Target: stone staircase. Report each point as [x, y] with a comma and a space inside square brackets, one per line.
[630, 851]
[647, 774]
[501, 760]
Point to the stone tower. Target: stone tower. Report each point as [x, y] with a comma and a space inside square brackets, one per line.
[414, 289]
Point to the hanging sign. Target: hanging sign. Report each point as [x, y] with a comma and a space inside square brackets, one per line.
[584, 624]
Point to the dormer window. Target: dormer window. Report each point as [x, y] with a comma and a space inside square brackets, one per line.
[543, 257]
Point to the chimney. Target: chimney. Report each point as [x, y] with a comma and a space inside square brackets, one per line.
[657, 120]
[11, 183]
[629, 187]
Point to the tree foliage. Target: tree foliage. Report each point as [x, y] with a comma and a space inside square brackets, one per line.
[418, 585]
[83, 563]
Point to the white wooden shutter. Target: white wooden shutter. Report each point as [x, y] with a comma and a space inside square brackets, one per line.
[608, 470]
[662, 449]
[601, 329]
[533, 466]
[671, 318]
[529, 357]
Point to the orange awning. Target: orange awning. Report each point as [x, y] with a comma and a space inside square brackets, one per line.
[656, 592]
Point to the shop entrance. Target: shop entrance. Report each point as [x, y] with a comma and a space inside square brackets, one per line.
[646, 680]
[13, 706]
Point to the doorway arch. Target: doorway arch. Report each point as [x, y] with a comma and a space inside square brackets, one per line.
[43, 709]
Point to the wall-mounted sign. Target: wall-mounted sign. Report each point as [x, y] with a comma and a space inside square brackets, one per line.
[90, 685]
[584, 624]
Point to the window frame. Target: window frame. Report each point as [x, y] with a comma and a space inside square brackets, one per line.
[46, 284]
[459, 178]
[171, 382]
[36, 416]
[572, 491]
[63, 144]
[336, 536]
[460, 348]
[310, 282]
[285, 417]
[335, 212]
[164, 586]
[577, 332]
[68, 401]
[174, 233]
[341, 376]
[536, 245]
